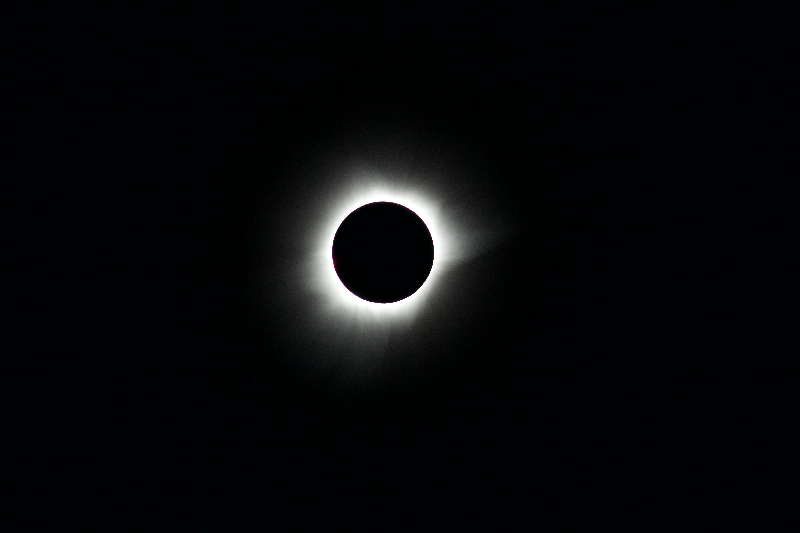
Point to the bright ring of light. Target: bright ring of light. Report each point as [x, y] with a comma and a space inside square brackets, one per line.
[328, 328]
[346, 302]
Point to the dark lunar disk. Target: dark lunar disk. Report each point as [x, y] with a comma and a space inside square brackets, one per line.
[383, 252]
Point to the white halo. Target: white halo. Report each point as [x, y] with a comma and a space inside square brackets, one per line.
[328, 327]
[340, 299]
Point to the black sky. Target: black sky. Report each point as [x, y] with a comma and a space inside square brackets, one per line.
[627, 364]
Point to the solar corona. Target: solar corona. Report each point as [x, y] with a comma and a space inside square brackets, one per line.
[363, 281]
[396, 308]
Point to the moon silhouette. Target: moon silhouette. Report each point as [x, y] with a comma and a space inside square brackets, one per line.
[382, 252]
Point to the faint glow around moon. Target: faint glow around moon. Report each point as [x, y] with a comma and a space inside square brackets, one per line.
[327, 326]
[326, 279]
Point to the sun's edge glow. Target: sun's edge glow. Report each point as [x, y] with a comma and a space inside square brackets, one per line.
[336, 297]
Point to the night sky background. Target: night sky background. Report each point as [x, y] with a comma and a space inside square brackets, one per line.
[628, 365]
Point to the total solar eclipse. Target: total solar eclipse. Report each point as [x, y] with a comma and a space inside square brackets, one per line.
[382, 252]
[367, 257]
